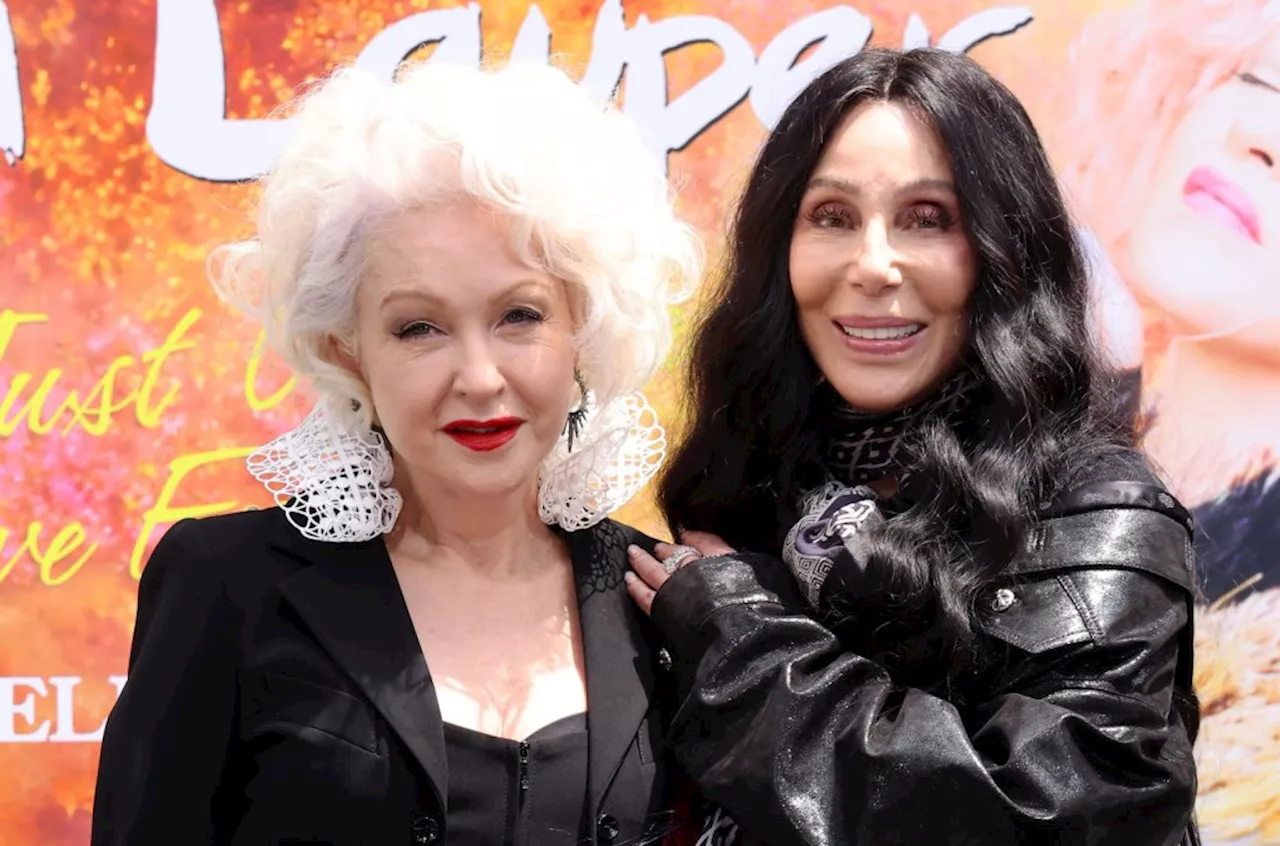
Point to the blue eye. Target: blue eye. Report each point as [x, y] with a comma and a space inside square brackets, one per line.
[522, 315]
[416, 329]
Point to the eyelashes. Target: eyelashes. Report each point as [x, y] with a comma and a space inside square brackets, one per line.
[931, 217]
[523, 314]
[1253, 79]
[415, 329]
[518, 316]
[830, 216]
[922, 216]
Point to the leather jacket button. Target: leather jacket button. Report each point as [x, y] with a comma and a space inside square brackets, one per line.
[664, 659]
[607, 829]
[425, 830]
[1004, 600]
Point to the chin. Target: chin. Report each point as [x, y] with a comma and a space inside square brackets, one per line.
[497, 486]
[472, 480]
[1195, 319]
[1259, 343]
[874, 402]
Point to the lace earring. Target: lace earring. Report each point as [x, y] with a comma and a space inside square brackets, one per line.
[578, 416]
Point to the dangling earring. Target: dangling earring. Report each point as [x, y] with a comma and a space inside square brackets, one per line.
[374, 427]
[577, 417]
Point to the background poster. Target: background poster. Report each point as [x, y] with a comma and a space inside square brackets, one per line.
[129, 396]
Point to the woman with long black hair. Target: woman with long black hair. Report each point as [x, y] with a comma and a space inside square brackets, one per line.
[930, 593]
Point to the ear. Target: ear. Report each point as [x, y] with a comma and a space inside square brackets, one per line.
[342, 352]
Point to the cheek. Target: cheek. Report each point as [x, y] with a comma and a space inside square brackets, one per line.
[812, 270]
[542, 377]
[406, 388]
[945, 281]
[1199, 138]
[381, 367]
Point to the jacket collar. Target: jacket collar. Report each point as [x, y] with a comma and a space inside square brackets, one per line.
[350, 600]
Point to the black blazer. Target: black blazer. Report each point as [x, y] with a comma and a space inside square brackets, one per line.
[277, 694]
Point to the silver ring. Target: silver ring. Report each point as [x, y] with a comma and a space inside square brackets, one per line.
[673, 561]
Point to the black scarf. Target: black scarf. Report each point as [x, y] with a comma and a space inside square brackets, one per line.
[860, 447]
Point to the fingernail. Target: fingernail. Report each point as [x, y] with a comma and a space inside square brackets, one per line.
[633, 549]
[628, 576]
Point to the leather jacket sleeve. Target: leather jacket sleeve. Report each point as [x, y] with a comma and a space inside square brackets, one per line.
[803, 742]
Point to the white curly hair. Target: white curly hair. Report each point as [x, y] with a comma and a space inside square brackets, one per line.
[587, 203]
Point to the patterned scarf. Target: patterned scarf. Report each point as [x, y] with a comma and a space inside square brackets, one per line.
[836, 518]
[861, 447]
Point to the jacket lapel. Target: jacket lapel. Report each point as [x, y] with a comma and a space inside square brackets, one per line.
[351, 601]
[619, 665]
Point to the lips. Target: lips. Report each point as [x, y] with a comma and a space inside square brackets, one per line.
[1214, 196]
[484, 435]
[879, 335]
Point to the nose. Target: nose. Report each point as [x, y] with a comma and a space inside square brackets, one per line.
[877, 265]
[478, 373]
[1256, 135]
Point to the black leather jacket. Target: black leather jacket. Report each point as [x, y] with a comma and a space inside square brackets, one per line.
[1084, 737]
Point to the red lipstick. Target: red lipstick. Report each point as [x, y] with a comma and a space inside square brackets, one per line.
[1214, 196]
[484, 435]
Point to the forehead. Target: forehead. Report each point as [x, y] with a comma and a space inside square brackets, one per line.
[457, 252]
[885, 142]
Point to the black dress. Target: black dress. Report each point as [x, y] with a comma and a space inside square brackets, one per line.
[518, 793]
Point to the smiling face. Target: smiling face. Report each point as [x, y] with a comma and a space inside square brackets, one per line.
[881, 269]
[467, 352]
[1205, 249]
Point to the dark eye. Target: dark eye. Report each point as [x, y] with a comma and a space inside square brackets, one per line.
[929, 217]
[416, 329]
[831, 216]
[522, 314]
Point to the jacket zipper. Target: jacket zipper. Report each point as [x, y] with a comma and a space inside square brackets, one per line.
[524, 768]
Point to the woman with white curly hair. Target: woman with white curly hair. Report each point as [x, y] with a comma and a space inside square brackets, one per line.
[429, 639]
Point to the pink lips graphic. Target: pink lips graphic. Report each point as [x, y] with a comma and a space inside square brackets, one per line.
[1214, 196]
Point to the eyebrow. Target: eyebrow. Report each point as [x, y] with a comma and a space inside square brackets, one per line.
[405, 292]
[850, 188]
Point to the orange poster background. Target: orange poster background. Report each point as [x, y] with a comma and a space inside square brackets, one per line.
[129, 395]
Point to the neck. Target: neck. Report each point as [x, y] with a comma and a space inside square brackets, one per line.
[494, 535]
[1217, 417]
[861, 448]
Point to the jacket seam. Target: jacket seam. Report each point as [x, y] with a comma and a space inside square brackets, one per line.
[734, 603]
[1082, 685]
[1087, 616]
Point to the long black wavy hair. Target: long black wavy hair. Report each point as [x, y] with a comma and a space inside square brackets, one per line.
[751, 452]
